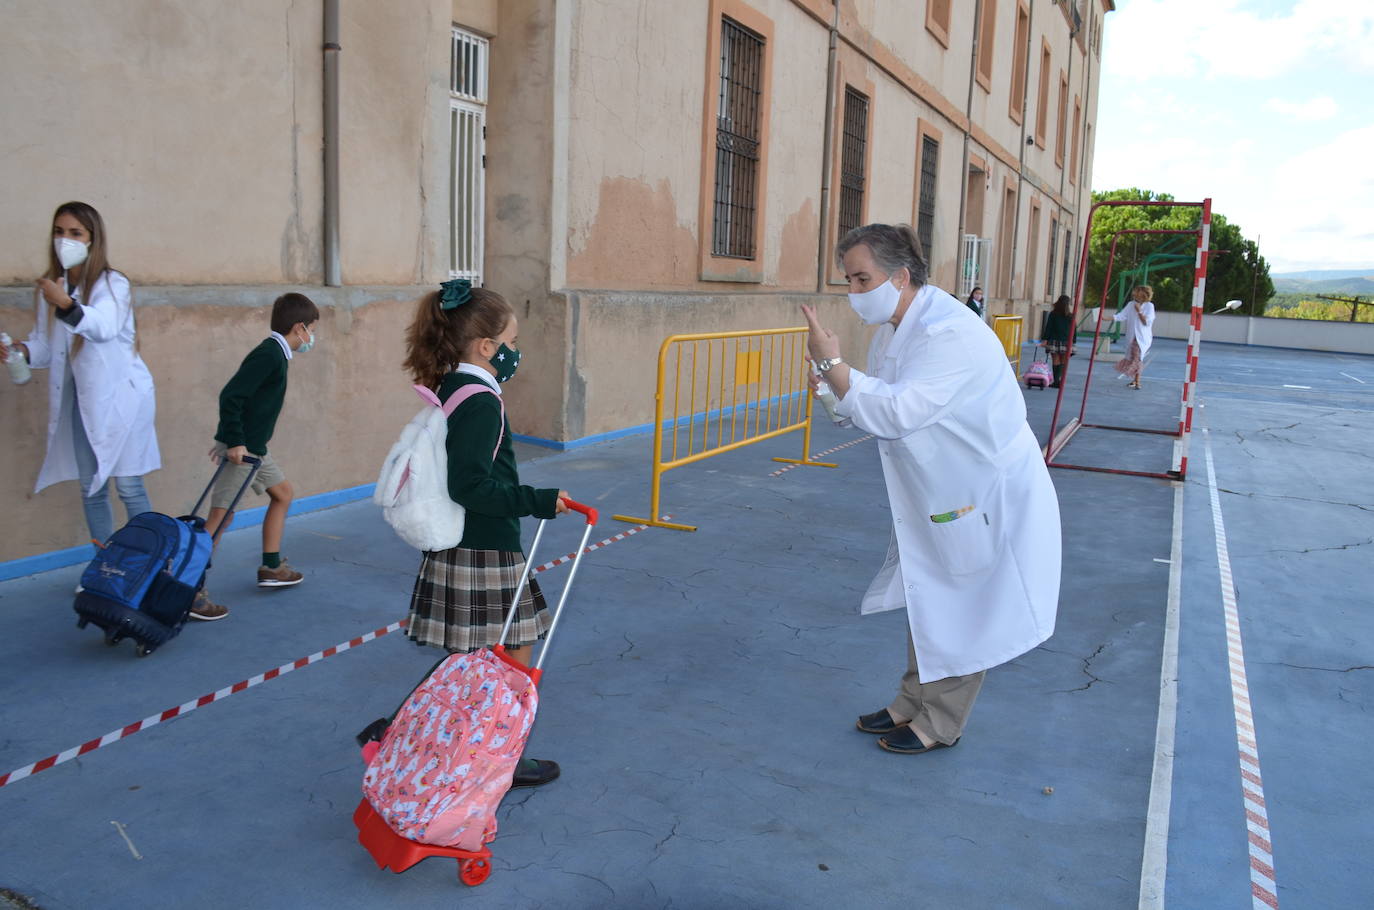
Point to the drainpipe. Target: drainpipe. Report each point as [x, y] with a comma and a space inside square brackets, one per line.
[968, 112]
[332, 276]
[827, 151]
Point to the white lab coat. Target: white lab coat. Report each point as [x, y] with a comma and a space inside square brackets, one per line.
[939, 394]
[113, 386]
[1139, 328]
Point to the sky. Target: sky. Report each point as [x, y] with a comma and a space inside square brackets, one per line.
[1267, 106]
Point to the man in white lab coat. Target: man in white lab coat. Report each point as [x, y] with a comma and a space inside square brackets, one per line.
[975, 552]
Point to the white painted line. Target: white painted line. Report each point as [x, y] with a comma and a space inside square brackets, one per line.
[1167, 562]
[125, 835]
[1264, 891]
[1356, 378]
[1154, 864]
[1307, 387]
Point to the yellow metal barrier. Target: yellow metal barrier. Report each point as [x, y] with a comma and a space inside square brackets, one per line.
[1008, 329]
[748, 387]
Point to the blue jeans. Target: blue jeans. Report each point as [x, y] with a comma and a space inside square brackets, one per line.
[99, 512]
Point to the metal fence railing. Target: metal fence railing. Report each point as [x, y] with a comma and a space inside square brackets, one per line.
[719, 391]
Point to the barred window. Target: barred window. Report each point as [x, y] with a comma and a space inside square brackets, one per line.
[467, 68]
[853, 156]
[738, 124]
[925, 214]
[467, 154]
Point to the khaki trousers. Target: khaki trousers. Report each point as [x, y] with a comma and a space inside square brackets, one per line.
[939, 709]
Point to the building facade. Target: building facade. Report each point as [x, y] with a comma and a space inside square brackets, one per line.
[621, 170]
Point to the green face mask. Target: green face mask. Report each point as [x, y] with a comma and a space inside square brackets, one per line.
[505, 362]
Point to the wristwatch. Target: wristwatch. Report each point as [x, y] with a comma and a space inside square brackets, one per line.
[828, 364]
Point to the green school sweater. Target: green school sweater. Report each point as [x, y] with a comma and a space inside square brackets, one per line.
[251, 401]
[1057, 328]
[489, 489]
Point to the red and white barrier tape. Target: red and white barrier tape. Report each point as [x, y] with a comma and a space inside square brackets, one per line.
[569, 557]
[1264, 890]
[852, 442]
[186, 708]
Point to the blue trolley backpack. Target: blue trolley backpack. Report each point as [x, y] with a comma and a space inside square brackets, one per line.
[143, 582]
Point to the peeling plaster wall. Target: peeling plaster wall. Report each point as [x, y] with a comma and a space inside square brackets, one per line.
[480, 16]
[345, 403]
[193, 128]
[196, 130]
[635, 104]
[394, 141]
[621, 334]
[519, 242]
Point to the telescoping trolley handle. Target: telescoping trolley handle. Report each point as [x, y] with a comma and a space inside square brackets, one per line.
[254, 463]
[591, 516]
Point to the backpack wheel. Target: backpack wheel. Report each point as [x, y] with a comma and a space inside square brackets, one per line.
[111, 640]
[145, 650]
[473, 872]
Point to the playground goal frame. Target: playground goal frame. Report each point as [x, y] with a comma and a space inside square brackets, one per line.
[1059, 437]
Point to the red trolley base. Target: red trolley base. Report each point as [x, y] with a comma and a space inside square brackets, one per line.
[388, 848]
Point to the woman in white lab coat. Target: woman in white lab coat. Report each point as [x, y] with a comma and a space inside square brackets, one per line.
[100, 393]
[1138, 332]
[975, 552]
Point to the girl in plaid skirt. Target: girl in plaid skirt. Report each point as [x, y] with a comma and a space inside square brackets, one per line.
[463, 335]
[1058, 329]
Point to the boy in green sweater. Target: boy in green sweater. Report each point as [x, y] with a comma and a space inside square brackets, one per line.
[248, 410]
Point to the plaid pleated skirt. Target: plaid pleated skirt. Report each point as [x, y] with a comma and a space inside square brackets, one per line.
[460, 601]
[1057, 347]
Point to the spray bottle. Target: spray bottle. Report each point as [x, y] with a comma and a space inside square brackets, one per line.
[827, 397]
[17, 364]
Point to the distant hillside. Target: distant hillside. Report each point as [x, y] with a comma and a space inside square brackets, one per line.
[1332, 281]
[1324, 274]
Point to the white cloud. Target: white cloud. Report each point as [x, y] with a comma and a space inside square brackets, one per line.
[1259, 104]
[1318, 204]
[1322, 107]
[1185, 38]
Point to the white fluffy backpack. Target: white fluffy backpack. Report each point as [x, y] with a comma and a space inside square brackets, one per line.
[412, 488]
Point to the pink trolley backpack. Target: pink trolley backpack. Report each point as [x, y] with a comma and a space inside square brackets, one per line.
[1039, 374]
[446, 758]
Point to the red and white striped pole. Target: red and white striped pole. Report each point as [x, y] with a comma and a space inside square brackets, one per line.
[1189, 398]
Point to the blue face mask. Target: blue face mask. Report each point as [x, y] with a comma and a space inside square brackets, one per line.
[308, 344]
[505, 362]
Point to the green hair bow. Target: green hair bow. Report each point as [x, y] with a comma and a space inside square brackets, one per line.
[454, 293]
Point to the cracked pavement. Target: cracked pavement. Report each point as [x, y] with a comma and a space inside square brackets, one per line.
[700, 695]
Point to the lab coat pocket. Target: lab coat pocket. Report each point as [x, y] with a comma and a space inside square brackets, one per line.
[966, 544]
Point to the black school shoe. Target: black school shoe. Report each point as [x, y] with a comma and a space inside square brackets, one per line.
[534, 772]
[877, 722]
[905, 742]
[373, 732]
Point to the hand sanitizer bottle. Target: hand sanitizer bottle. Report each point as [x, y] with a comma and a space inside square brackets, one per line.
[18, 366]
[828, 400]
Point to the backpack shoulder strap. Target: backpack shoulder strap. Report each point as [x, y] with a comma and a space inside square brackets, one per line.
[463, 394]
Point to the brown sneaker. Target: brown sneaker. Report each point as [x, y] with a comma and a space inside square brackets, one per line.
[281, 577]
[206, 609]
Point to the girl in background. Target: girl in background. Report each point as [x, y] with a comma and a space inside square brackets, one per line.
[1139, 318]
[1058, 327]
[975, 302]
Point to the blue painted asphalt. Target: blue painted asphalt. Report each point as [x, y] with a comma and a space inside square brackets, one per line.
[701, 693]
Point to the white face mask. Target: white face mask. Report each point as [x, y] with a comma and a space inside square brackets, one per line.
[878, 305]
[70, 253]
